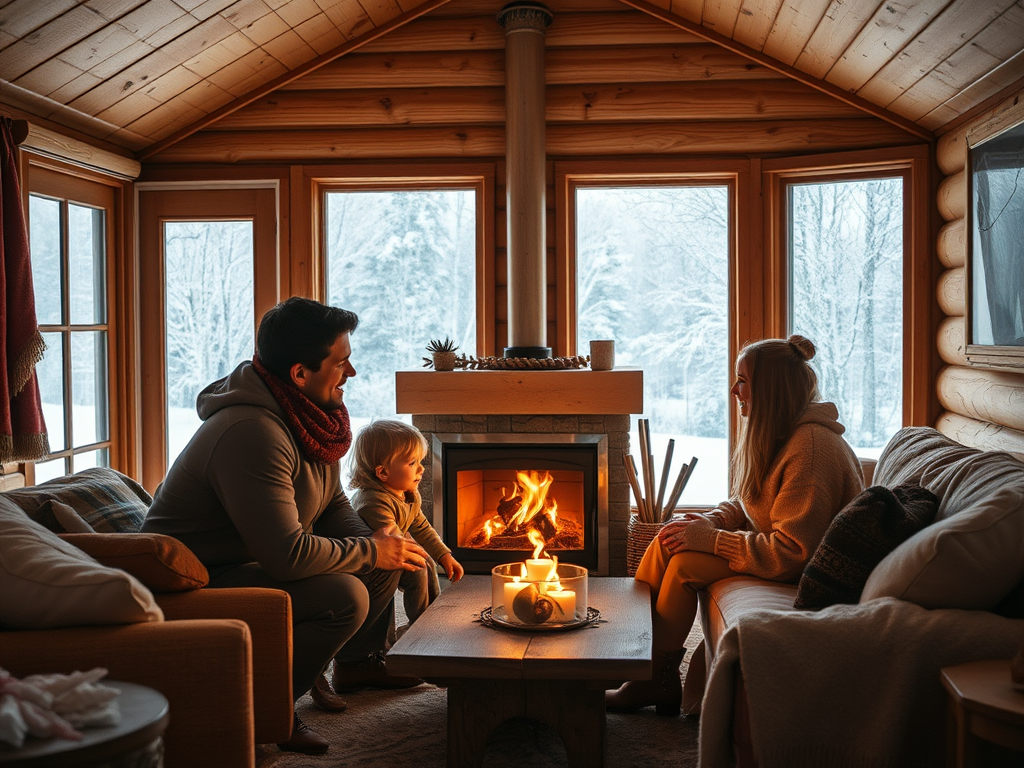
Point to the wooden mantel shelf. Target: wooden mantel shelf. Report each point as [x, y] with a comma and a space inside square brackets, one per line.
[570, 392]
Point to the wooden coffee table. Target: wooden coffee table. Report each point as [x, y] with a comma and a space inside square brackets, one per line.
[556, 677]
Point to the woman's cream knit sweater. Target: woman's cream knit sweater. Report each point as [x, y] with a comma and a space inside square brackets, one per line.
[814, 475]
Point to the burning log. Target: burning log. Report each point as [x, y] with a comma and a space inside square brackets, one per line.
[527, 509]
[508, 508]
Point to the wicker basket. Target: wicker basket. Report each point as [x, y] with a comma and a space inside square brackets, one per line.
[638, 536]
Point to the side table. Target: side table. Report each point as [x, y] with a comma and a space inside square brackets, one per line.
[984, 705]
[137, 741]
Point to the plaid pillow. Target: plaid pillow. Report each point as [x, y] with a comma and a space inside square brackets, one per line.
[107, 500]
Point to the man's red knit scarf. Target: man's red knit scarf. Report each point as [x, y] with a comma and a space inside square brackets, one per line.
[325, 436]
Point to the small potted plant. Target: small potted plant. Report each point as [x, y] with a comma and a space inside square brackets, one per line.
[443, 354]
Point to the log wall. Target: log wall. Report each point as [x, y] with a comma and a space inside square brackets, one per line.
[619, 84]
[983, 408]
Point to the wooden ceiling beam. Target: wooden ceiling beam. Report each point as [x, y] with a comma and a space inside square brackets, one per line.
[777, 66]
[290, 76]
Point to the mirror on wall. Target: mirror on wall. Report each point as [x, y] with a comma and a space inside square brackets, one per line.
[995, 276]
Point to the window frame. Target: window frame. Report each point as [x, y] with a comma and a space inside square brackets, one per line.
[56, 180]
[992, 356]
[317, 181]
[162, 202]
[742, 179]
[738, 175]
[912, 164]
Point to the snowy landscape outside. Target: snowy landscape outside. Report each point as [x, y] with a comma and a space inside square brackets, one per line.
[652, 272]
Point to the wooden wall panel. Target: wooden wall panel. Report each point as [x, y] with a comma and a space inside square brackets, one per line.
[406, 70]
[993, 396]
[568, 140]
[634, 103]
[951, 246]
[619, 83]
[950, 341]
[982, 435]
[950, 291]
[953, 196]
[984, 408]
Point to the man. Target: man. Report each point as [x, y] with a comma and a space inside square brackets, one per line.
[256, 495]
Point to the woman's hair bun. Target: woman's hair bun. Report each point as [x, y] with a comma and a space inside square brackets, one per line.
[803, 346]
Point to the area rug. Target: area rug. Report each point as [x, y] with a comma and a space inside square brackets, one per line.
[394, 729]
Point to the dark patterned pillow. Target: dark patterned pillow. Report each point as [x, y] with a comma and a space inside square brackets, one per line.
[866, 530]
[107, 500]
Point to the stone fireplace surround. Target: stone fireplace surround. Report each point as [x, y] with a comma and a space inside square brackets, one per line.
[569, 401]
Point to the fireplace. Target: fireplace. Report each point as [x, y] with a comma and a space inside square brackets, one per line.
[496, 497]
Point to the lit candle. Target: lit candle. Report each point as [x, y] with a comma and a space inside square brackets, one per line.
[512, 589]
[565, 604]
[539, 569]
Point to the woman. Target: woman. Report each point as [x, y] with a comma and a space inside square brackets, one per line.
[792, 473]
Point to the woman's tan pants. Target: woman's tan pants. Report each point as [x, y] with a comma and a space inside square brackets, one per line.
[674, 581]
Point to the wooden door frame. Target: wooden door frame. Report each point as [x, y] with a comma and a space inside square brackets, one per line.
[161, 202]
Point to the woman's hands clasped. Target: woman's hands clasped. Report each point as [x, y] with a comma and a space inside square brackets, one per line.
[674, 536]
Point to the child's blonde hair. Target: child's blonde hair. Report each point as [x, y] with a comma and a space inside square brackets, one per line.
[380, 442]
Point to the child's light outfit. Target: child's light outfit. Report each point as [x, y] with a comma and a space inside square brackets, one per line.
[380, 507]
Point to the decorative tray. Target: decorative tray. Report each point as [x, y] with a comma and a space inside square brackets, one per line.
[593, 617]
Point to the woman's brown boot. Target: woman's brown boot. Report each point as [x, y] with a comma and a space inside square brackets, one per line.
[663, 691]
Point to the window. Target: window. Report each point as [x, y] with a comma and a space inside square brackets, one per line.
[405, 261]
[209, 326]
[208, 271]
[846, 295]
[68, 236]
[848, 267]
[652, 272]
[995, 267]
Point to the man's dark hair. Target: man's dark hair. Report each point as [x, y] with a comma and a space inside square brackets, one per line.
[300, 330]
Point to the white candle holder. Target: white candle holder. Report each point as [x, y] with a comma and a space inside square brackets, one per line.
[566, 591]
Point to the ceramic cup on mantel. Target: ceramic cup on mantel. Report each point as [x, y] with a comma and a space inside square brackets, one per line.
[602, 354]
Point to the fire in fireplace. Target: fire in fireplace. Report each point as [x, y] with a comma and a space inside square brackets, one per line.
[508, 509]
[496, 496]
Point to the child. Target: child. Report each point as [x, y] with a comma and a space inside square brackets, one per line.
[388, 466]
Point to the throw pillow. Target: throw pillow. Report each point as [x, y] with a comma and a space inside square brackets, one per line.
[65, 516]
[867, 529]
[970, 560]
[48, 583]
[107, 500]
[160, 562]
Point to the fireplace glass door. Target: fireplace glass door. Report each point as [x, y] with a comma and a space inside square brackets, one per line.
[502, 501]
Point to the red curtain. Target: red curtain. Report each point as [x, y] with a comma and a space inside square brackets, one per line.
[22, 429]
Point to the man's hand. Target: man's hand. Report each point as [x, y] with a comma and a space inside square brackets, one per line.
[395, 552]
[453, 568]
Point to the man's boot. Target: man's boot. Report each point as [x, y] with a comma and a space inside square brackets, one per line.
[304, 740]
[323, 695]
[371, 672]
[663, 691]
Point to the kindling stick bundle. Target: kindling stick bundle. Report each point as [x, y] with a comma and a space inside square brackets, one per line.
[648, 505]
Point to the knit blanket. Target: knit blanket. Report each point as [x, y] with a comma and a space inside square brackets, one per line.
[850, 686]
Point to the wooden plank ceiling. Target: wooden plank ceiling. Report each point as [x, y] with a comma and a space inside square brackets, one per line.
[139, 74]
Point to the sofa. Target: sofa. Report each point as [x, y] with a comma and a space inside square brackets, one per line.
[80, 588]
[857, 682]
